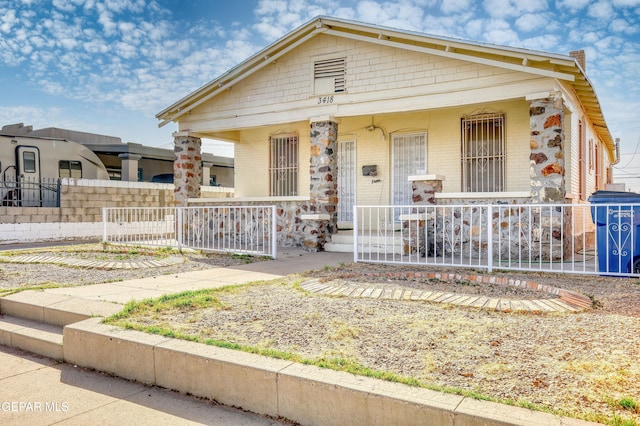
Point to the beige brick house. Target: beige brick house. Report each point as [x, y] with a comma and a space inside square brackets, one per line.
[379, 113]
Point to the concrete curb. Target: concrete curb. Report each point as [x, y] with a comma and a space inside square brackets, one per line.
[302, 393]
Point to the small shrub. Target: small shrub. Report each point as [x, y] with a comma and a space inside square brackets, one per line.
[628, 404]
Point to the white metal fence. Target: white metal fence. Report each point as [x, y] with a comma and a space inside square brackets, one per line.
[585, 239]
[229, 229]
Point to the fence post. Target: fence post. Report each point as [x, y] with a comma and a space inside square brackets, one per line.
[104, 224]
[355, 234]
[179, 226]
[490, 238]
[274, 233]
[58, 191]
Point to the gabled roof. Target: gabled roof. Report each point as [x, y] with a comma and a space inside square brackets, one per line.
[561, 67]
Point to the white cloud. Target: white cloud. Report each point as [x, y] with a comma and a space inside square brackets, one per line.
[544, 42]
[533, 22]
[455, 6]
[601, 10]
[626, 3]
[7, 20]
[623, 26]
[511, 8]
[573, 5]
[64, 5]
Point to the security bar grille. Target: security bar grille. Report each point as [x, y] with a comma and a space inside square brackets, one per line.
[409, 157]
[283, 166]
[346, 180]
[483, 153]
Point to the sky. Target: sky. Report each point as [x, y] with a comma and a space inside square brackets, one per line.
[109, 66]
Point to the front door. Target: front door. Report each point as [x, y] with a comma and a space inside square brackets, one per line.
[409, 157]
[28, 176]
[346, 181]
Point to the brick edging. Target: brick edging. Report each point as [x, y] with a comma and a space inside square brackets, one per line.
[570, 297]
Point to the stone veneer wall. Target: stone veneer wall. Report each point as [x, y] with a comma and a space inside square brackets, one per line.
[292, 230]
[531, 230]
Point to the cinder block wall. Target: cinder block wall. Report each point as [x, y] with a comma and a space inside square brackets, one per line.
[82, 200]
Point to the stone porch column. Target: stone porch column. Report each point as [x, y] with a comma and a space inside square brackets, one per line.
[187, 168]
[322, 220]
[424, 189]
[129, 166]
[547, 169]
[547, 149]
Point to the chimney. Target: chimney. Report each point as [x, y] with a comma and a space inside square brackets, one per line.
[581, 58]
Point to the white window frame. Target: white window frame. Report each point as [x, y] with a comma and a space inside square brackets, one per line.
[483, 152]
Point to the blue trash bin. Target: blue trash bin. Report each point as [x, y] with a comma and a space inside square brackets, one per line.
[617, 218]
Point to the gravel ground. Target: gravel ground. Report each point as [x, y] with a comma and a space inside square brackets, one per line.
[582, 364]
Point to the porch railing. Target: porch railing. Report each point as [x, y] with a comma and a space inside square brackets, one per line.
[584, 239]
[27, 192]
[229, 229]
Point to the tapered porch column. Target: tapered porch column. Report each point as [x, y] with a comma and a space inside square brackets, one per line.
[187, 168]
[206, 173]
[547, 149]
[129, 169]
[322, 220]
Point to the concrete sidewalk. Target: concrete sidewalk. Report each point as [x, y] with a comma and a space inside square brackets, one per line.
[40, 391]
[290, 261]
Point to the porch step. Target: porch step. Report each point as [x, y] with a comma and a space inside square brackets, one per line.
[376, 243]
[32, 336]
[34, 320]
[56, 309]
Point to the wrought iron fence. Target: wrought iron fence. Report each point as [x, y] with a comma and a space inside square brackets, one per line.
[229, 229]
[26, 192]
[585, 239]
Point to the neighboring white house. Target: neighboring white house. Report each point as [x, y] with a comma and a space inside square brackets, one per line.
[387, 116]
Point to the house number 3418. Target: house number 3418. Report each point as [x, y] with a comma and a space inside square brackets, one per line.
[325, 100]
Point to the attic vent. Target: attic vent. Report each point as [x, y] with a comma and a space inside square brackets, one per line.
[329, 76]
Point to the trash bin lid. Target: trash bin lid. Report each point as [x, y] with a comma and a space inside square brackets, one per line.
[621, 197]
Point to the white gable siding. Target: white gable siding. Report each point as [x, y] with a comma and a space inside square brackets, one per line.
[379, 79]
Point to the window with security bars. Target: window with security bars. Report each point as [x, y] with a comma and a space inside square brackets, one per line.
[483, 153]
[329, 76]
[283, 166]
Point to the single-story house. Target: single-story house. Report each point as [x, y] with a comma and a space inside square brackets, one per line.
[386, 116]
